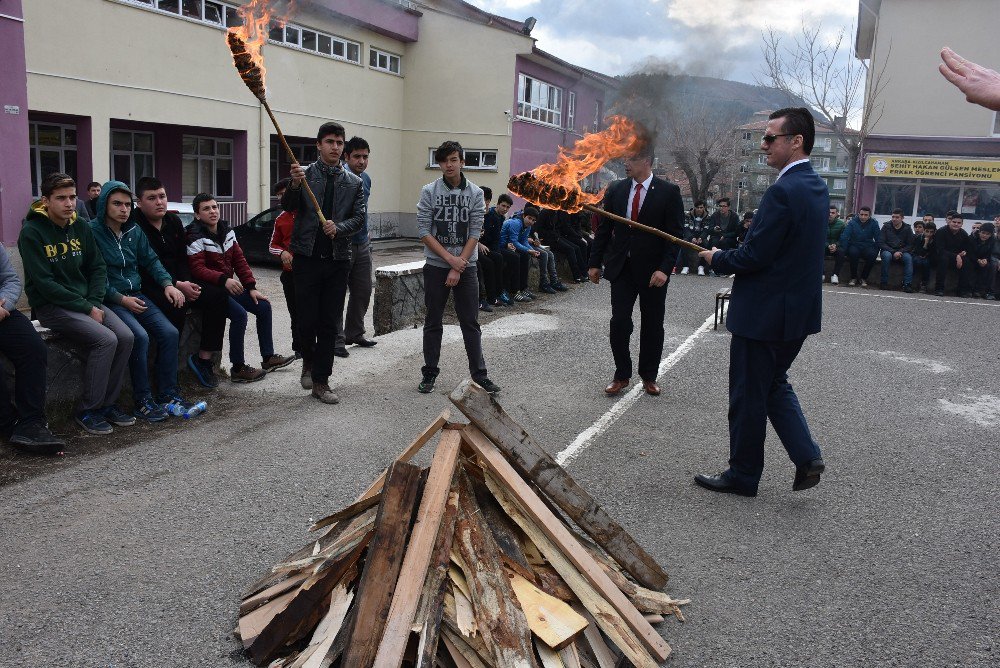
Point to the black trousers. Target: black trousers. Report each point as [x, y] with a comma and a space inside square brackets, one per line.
[516, 265]
[854, 253]
[758, 391]
[572, 253]
[29, 355]
[466, 308]
[213, 304]
[628, 286]
[490, 269]
[946, 263]
[320, 290]
[288, 288]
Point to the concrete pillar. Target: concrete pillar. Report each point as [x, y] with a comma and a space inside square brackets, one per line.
[15, 168]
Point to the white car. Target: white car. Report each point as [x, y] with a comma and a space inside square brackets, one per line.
[184, 211]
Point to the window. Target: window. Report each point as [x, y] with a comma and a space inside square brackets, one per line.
[744, 152]
[216, 12]
[762, 159]
[937, 199]
[476, 159]
[539, 101]
[747, 136]
[206, 166]
[744, 168]
[597, 115]
[743, 185]
[823, 143]
[571, 111]
[52, 149]
[821, 164]
[305, 154]
[324, 44]
[891, 195]
[383, 61]
[981, 201]
[131, 156]
[840, 184]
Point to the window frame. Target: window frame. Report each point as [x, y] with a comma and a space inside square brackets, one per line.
[431, 164]
[214, 158]
[132, 153]
[527, 110]
[377, 54]
[571, 111]
[34, 158]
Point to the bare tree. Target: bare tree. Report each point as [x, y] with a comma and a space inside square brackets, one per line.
[832, 81]
[700, 141]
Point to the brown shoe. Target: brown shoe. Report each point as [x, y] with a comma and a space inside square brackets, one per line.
[323, 392]
[615, 387]
[651, 387]
[246, 374]
[277, 362]
[306, 380]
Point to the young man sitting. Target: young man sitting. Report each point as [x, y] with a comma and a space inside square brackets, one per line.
[449, 221]
[922, 251]
[983, 261]
[834, 228]
[951, 243]
[65, 280]
[894, 243]
[125, 250]
[515, 237]
[217, 259]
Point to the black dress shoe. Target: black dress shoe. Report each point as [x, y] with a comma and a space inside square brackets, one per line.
[720, 483]
[364, 343]
[341, 352]
[808, 476]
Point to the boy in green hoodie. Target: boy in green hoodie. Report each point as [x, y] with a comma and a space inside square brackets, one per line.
[126, 250]
[65, 280]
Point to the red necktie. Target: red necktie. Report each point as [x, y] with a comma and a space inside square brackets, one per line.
[635, 202]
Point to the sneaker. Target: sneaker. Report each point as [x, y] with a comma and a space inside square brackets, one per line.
[323, 392]
[559, 286]
[863, 283]
[276, 362]
[485, 306]
[93, 422]
[118, 417]
[990, 296]
[547, 289]
[673, 272]
[684, 272]
[306, 380]
[530, 295]
[488, 385]
[834, 280]
[246, 374]
[150, 411]
[521, 297]
[851, 283]
[505, 298]
[907, 288]
[36, 439]
[203, 371]
[701, 271]
[939, 293]
[426, 385]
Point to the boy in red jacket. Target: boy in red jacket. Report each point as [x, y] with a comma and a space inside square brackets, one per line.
[216, 259]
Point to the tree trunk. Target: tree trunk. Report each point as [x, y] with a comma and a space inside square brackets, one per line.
[852, 176]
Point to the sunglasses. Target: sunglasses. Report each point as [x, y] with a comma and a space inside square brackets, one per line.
[769, 139]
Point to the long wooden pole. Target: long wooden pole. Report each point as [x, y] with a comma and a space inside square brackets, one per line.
[645, 228]
[295, 161]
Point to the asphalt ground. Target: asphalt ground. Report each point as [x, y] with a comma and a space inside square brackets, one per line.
[136, 554]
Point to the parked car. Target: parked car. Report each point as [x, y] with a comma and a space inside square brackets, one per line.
[254, 237]
[184, 211]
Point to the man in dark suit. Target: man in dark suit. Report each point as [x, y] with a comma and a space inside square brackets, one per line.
[776, 302]
[638, 264]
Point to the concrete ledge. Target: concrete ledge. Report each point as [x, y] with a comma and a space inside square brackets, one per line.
[399, 297]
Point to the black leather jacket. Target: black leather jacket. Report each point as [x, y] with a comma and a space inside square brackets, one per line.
[348, 211]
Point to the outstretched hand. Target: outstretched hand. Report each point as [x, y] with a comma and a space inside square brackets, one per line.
[980, 85]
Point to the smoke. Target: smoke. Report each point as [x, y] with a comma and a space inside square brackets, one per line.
[694, 67]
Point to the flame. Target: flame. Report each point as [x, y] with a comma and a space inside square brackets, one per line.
[557, 185]
[245, 41]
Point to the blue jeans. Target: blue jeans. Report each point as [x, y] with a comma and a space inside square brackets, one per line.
[907, 261]
[923, 265]
[151, 322]
[239, 306]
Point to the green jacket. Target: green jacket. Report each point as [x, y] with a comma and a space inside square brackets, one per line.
[124, 255]
[62, 266]
[834, 230]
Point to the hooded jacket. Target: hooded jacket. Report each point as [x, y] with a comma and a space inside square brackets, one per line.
[859, 234]
[515, 232]
[215, 258]
[124, 255]
[62, 265]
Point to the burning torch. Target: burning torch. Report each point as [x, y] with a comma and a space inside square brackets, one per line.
[245, 43]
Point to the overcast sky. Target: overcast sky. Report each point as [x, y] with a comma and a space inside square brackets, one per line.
[718, 38]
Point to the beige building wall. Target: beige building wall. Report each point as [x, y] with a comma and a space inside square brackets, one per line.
[916, 99]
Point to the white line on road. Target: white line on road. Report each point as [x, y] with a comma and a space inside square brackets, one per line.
[913, 299]
[581, 442]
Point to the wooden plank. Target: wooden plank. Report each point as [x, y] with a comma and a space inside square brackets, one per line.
[257, 620]
[350, 511]
[458, 606]
[410, 452]
[257, 600]
[550, 582]
[549, 657]
[645, 600]
[287, 626]
[500, 619]
[436, 584]
[385, 557]
[502, 477]
[504, 531]
[413, 572]
[326, 632]
[532, 460]
[461, 652]
[592, 635]
[553, 621]
[570, 656]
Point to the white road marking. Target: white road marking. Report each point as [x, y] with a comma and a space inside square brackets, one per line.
[931, 365]
[983, 410]
[970, 302]
[581, 442]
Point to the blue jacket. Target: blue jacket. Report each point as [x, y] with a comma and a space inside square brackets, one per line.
[860, 235]
[778, 292]
[514, 231]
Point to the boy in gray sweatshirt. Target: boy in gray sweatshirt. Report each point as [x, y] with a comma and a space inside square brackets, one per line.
[449, 221]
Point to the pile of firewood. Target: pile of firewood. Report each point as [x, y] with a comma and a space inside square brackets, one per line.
[470, 563]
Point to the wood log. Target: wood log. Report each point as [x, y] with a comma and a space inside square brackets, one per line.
[435, 585]
[549, 581]
[502, 478]
[410, 451]
[550, 619]
[645, 600]
[419, 552]
[504, 531]
[350, 511]
[498, 616]
[385, 557]
[535, 463]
